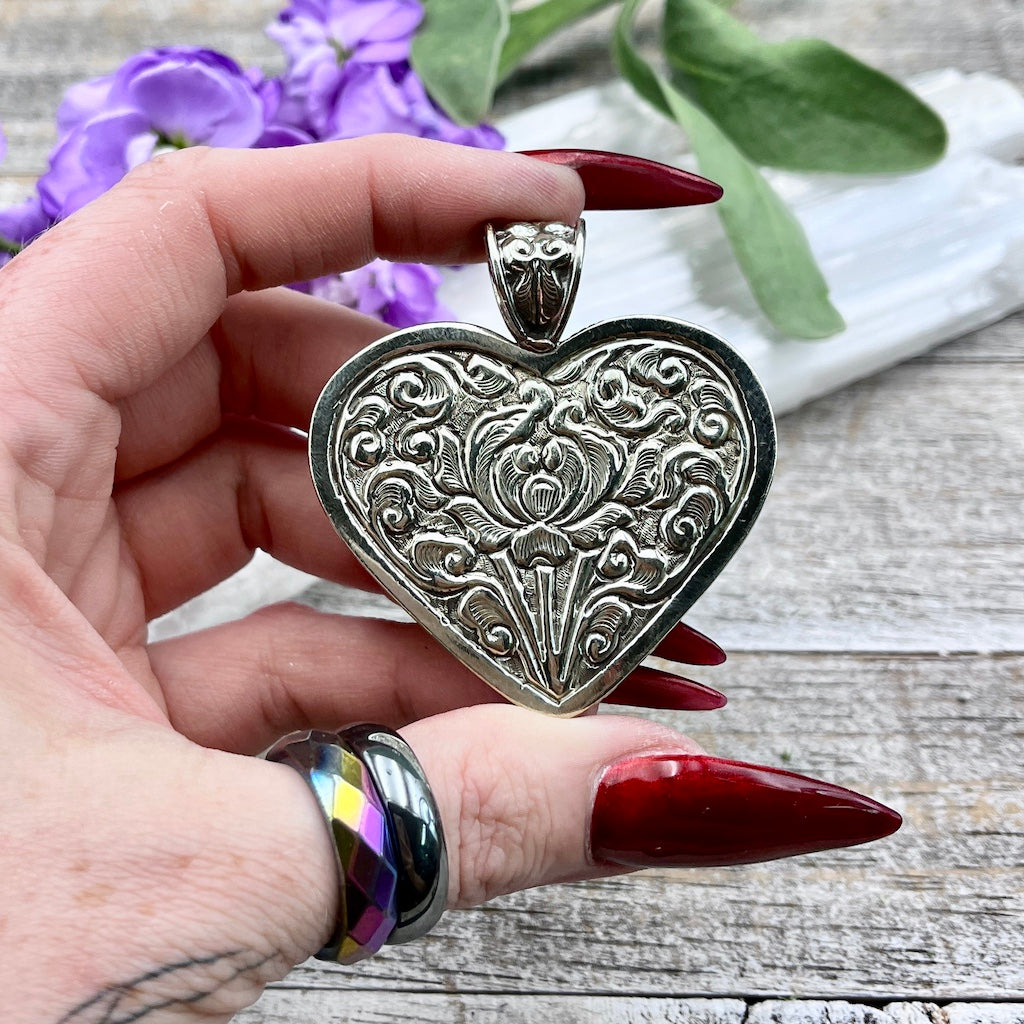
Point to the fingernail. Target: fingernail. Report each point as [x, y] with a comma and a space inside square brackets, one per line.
[677, 810]
[615, 181]
[686, 645]
[648, 688]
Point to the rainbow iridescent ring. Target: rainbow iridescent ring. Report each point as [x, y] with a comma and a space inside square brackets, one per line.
[386, 832]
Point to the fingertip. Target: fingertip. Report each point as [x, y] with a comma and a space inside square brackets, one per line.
[561, 182]
[515, 789]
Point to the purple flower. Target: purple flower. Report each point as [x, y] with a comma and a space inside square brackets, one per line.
[180, 96]
[325, 40]
[349, 74]
[364, 31]
[276, 132]
[19, 225]
[391, 98]
[400, 294]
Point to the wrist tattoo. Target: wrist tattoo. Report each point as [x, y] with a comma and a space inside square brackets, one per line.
[171, 986]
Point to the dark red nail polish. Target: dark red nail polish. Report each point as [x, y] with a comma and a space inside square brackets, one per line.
[686, 645]
[648, 688]
[615, 181]
[677, 810]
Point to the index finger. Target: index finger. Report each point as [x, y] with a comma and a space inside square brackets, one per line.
[120, 291]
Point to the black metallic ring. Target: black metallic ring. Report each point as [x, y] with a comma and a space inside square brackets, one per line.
[415, 827]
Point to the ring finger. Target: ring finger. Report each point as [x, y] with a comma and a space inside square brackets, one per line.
[288, 667]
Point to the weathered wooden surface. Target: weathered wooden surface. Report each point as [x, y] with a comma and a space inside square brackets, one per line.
[877, 612]
[933, 913]
[285, 1007]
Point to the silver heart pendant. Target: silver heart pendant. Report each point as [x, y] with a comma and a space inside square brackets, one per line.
[547, 509]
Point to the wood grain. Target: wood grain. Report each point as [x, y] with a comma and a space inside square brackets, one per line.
[933, 913]
[284, 1007]
[877, 614]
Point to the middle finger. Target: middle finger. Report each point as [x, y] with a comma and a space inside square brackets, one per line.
[194, 522]
[268, 357]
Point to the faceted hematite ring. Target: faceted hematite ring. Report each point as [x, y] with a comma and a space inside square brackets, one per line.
[415, 824]
[363, 847]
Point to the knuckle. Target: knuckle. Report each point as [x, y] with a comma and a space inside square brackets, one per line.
[176, 171]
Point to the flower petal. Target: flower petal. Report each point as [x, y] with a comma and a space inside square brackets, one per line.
[193, 104]
[82, 101]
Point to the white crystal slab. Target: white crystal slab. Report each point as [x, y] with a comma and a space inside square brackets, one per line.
[912, 261]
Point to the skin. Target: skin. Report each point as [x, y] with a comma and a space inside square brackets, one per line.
[151, 370]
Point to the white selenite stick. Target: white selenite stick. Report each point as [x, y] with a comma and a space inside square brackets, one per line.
[912, 260]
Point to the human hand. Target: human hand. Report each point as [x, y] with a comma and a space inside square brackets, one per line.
[152, 378]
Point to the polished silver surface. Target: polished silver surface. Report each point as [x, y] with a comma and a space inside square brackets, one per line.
[414, 824]
[547, 516]
[535, 270]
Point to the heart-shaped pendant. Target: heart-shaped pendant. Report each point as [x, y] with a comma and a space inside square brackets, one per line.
[547, 509]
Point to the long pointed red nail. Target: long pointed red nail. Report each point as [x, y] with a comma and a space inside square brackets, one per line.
[615, 181]
[684, 644]
[685, 811]
[648, 688]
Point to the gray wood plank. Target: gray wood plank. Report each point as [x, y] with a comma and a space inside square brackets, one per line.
[984, 1013]
[287, 1006]
[284, 1006]
[47, 44]
[894, 523]
[776, 1011]
[1000, 344]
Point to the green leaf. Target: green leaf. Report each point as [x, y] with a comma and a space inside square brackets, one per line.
[770, 245]
[456, 52]
[803, 104]
[531, 26]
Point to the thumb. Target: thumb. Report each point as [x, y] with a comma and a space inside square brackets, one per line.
[527, 800]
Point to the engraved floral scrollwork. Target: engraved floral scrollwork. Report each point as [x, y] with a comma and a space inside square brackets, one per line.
[602, 625]
[544, 519]
[484, 612]
[441, 561]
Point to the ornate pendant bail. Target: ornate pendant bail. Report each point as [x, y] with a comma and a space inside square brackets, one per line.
[535, 270]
